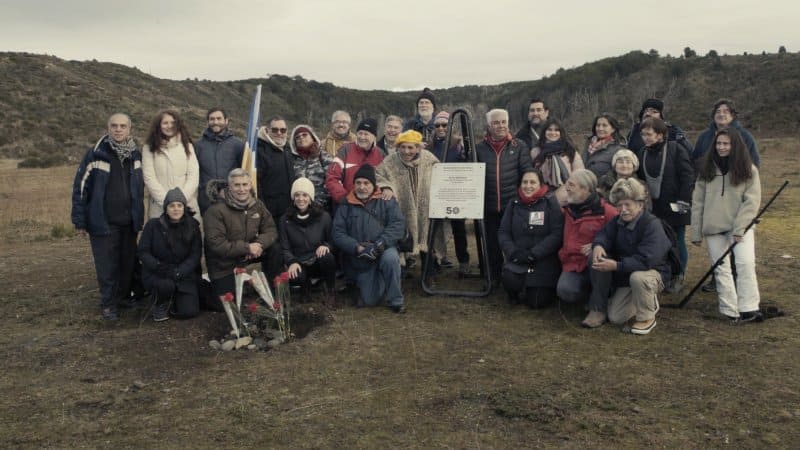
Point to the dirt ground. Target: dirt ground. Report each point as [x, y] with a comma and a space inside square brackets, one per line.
[451, 373]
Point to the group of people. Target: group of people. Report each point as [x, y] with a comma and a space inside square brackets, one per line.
[595, 225]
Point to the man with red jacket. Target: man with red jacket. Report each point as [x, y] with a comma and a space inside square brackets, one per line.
[585, 214]
[350, 157]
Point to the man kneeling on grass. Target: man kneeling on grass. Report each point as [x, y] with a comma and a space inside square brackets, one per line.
[630, 255]
[366, 229]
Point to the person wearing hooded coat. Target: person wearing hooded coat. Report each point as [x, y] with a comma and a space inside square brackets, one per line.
[308, 161]
[170, 248]
[305, 234]
[530, 235]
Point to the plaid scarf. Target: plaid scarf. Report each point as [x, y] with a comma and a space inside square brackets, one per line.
[122, 149]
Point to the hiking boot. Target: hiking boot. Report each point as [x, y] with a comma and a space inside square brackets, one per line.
[411, 262]
[711, 286]
[751, 316]
[594, 319]
[110, 314]
[446, 263]
[675, 285]
[644, 327]
[463, 269]
[160, 313]
[398, 309]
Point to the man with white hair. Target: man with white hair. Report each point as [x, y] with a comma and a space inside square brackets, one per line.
[340, 133]
[629, 255]
[585, 213]
[506, 158]
[107, 205]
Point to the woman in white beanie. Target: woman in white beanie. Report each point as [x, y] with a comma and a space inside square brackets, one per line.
[305, 232]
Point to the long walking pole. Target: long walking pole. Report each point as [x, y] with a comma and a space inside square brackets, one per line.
[728, 251]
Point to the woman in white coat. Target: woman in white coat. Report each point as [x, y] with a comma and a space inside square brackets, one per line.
[169, 161]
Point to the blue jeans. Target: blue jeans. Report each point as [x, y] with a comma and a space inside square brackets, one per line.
[382, 279]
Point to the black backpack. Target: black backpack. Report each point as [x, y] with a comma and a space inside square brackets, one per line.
[673, 256]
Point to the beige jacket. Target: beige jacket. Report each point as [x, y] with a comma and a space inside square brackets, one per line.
[718, 207]
[168, 168]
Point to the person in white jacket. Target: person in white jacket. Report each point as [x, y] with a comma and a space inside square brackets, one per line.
[169, 161]
[726, 199]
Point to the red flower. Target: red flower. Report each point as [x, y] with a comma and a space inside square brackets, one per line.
[239, 270]
[227, 298]
[277, 305]
[252, 307]
[282, 278]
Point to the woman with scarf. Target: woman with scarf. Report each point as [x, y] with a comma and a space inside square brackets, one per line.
[603, 143]
[170, 249]
[309, 162]
[725, 200]
[530, 235]
[556, 158]
[669, 177]
[406, 175]
[169, 161]
[305, 234]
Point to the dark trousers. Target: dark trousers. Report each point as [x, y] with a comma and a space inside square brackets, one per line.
[184, 297]
[533, 296]
[460, 239]
[591, 285]
[272, 262]
[491, 220]
[114, 262]
[324, 268]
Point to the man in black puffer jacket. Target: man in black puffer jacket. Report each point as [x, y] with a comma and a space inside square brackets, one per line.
[506, 159]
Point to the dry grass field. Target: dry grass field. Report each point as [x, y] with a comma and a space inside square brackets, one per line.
[451, 373]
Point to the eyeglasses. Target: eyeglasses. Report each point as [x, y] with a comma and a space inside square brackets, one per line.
[276, 130]
[440, 125]
[341, 122]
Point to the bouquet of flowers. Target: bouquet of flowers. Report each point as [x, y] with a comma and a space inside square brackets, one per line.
[227, 301]
[276, 307]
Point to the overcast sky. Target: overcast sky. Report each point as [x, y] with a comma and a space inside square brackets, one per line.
[402, 44]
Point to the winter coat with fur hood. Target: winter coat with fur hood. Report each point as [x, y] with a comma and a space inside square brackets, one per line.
[411, 184]
[315, 167]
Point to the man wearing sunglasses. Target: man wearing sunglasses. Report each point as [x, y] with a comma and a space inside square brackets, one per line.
[275, 171]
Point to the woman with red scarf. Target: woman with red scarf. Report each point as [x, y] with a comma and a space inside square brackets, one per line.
[530, 235]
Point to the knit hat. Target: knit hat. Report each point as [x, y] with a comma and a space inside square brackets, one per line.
[367, 172]
[174, 195]
[652, 103]
[369, 124]
[625, 153]
[428, 94]
[409, 136]
[442, 115]
[586, 178]
[304, 185]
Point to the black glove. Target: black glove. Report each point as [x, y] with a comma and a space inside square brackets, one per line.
[368, 253]
[519, 256]
[531, 258]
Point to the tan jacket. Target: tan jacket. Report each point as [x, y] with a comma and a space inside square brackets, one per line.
[332, 143]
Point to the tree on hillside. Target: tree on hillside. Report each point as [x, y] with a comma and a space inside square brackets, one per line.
[689, 53]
